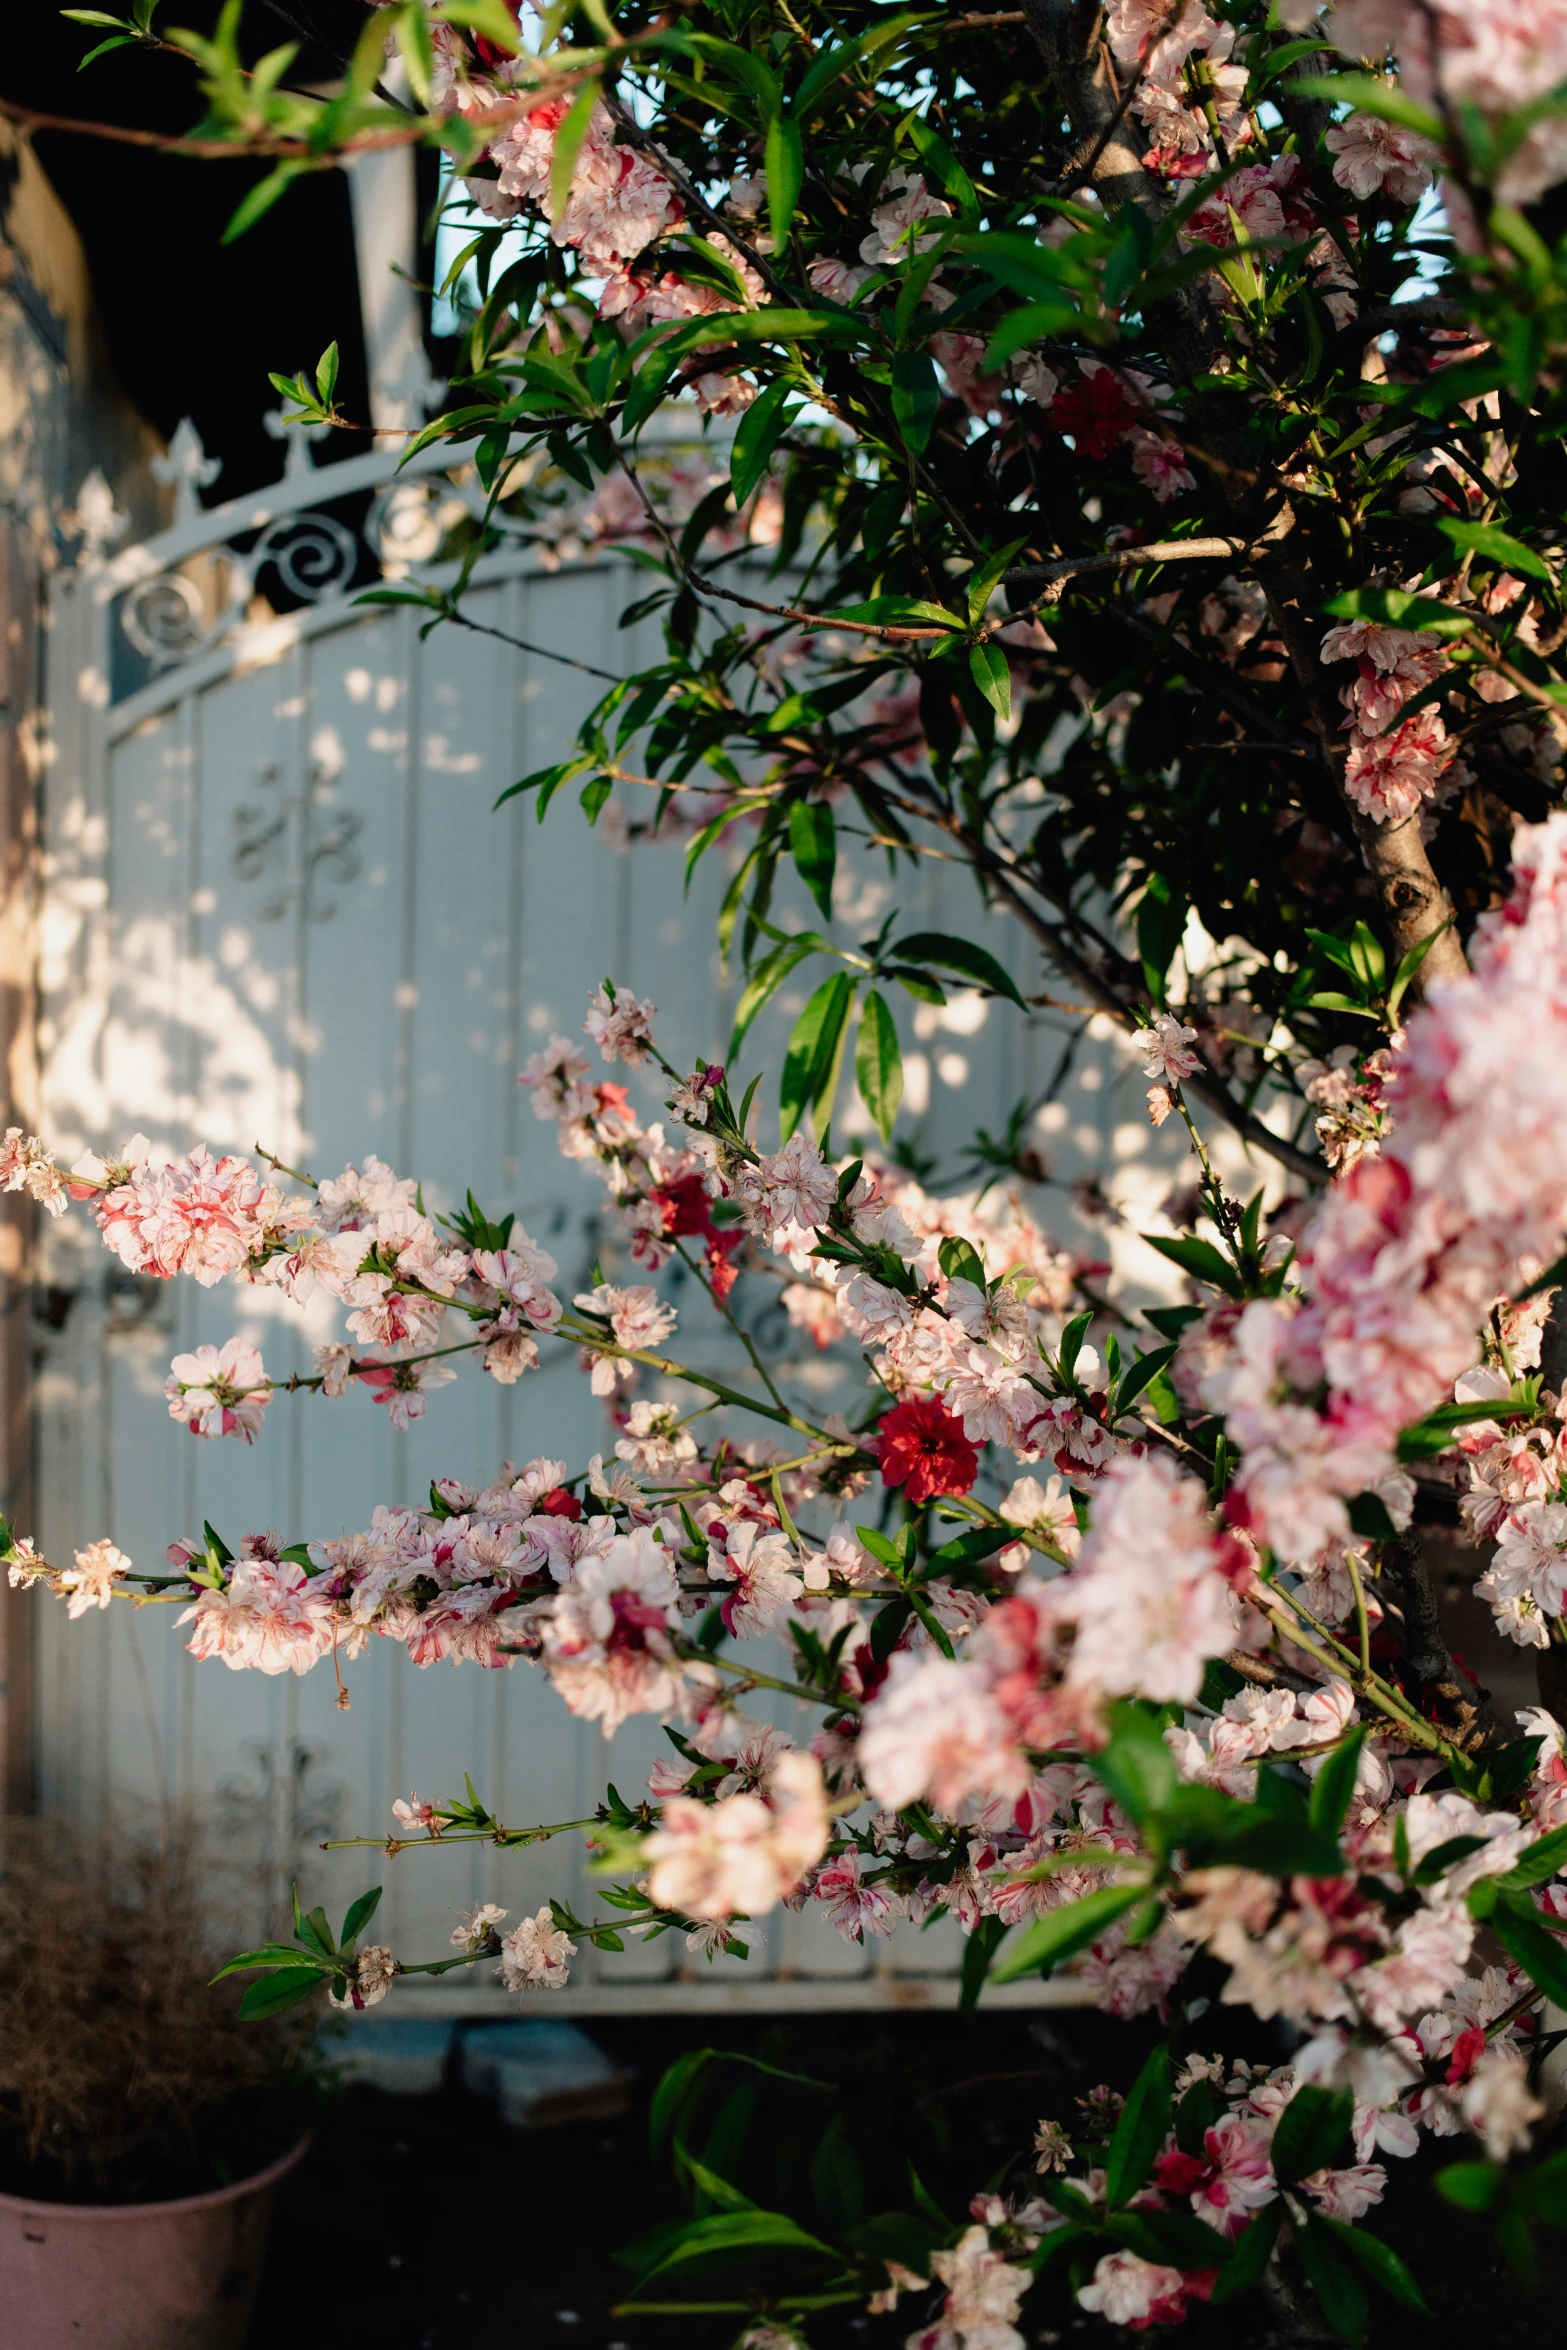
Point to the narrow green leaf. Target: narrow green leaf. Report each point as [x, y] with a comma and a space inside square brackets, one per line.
[1045, 1942]
[1334, 2279]
[813, 842]
[1489, 539]
[273, 1992]
[878, 1063]
[568, 146]
[1199, 1258]
[1250, 2257]
[326, 374]
[990, 671]
[1311, 2130]
[1334, 1783]
[1540, 1954]
[766, 980]
[359, 1914]
[916, 396]
[1140, 2131]
[261, 199]
[810, 1062]
[960, 955]
[757, 435]
[785, 166]
[417, 48]
[1380, 2259]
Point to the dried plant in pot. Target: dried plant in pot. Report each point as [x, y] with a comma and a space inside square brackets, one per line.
[143, 2126]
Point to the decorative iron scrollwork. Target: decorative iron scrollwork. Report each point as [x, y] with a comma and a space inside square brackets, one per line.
[163, 618]
[297, 847]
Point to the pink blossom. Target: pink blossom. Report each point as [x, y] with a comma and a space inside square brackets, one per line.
[404, 1386]
[607, 1646]
[25, 1165]
[1164, 1047]
[761, 1566]
[743, 1854]
[1374, 157]
[90, 1581]
[1126, 2290]
[522, 1273]
[638, 1320]
[936, 1730]
[220, 1391]
[201, 1217]
[1149, 1594]
[620, 1026]
[1391, 774]
[1160, 465]
[268, 1619]
[855, 1908]
[787, 1196]
[535, 1955]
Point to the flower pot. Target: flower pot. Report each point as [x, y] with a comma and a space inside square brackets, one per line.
[136, 2276]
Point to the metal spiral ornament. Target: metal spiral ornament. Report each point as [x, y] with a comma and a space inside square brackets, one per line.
[163, 618]
[312, 554]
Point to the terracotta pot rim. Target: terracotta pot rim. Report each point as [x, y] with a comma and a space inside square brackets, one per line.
[208, 2200]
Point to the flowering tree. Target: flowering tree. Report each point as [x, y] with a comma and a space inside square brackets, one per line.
[1141, 443]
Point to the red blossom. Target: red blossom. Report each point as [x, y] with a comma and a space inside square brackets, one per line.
[1095, 411]
[559, 1503]
[1467, 2051]
[924, 1449]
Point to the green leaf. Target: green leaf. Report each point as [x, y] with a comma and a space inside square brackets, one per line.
[959, 955]
[1380, 2259]
[978, 1951]
[1487, 538]
[1435, 1433]
[1399, 608]
[766, 980]
[878, 1063]
[568, 146]
[813, 840]
[960, 1260]
[1136, 1765]
[756, 437]
[326, 374]
[1311, 2129]
[1140, 1374]
[785, 167]
[1250, 2257]
[985, 578]
[359, 1914]
[1543, 1860]
[261, 199]
[1372, 95]
[1199, 1258]
[1540, 1954]
[273, 1992]
[1469, 2186]
[990, 671]
[896, 612]
[1061, 1933]
[677, 2087]
[811, 1061]
[1140, 2131]
[1334, 1783]
[1161, 925]
[1334, 2279]
[417, 48]
[916, 396]
[271, 1955]
[730, 2232]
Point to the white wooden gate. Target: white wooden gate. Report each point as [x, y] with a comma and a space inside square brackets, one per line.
[279, 909]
